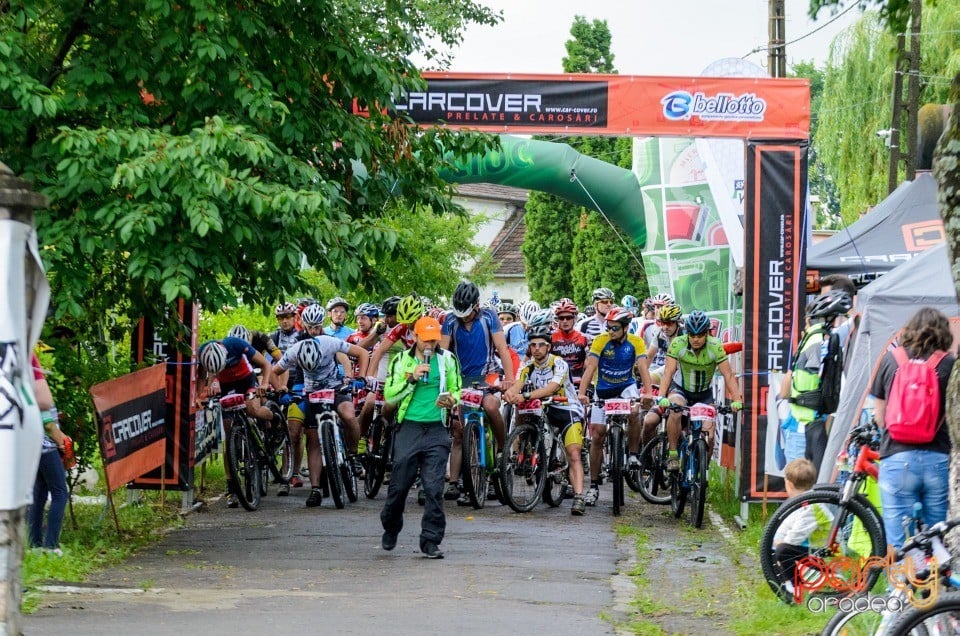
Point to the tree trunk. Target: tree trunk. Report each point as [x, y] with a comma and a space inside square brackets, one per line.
[11, 552]
[946, 169]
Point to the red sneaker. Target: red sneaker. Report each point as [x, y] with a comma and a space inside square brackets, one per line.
[296, 482]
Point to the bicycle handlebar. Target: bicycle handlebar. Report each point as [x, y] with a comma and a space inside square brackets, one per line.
[922, 538]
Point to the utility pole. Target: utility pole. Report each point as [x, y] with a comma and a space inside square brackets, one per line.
[893, 174]
[913, 88]
[777, 50]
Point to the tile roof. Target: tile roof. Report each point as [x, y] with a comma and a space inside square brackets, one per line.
[493, 191]
[505, 248]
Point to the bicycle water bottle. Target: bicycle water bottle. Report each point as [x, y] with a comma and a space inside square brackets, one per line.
[548, 439]
[488, 441]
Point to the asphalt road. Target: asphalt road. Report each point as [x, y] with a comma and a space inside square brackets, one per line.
[288, 569]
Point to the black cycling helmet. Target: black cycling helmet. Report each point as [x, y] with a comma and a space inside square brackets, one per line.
[389, 306]
[830, 305]
[696, 323]
[540, 332]
[465, 298]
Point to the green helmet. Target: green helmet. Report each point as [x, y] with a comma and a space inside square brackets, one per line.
[409, 309]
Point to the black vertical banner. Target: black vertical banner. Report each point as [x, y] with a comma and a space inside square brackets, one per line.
[181, 380]
[773, 297]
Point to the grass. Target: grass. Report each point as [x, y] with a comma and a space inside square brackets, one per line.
[90, 542]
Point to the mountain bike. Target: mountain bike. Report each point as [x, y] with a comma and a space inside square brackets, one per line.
[533, 456]
[930, 578]
[379, 457]
[856, 528]
[636, 475]
[652, 478]
[615, 414]
[252, 451]
[689, 484]
[479, 465]
[340, 478]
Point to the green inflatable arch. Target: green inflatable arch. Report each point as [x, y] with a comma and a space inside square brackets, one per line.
[560, 170]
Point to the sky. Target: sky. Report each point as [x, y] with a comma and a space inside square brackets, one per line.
[649, 37]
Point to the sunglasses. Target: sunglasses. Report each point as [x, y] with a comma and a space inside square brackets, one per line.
[283, 316]
[614, 328]
[539, 344]
[565, 317]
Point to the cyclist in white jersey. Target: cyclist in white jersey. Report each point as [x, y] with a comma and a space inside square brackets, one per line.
[602, 303]
[667, 328]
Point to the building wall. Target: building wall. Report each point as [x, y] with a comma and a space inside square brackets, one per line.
[513, 289]
[495, 214]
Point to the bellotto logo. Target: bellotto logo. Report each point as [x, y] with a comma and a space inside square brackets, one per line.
[681, 105]
[920, 236]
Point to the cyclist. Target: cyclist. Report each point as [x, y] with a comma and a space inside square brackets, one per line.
[657, 301]
[366, 336]
[616, 358]
[231, 361]
[668, 327]
[602, 299]
[285, 336]
[568, 343]
[260, 341]
[631, 304]
[513, 330]
[543, 376]
[694, 357]
[317, 358]
[476, 337]
[337, 309]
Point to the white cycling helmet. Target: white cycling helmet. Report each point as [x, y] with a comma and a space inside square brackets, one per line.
[213, 357]
[528, 310]
[543, 318]
[312, 316]
[308, 355]
[239, 331]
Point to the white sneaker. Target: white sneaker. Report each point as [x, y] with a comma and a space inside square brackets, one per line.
[633, 462]
[591, 496]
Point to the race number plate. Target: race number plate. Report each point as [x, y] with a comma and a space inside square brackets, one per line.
[324, 396]
[702, 413]
[616, 407]
[530, 407]
[233, 402]
[471, 398]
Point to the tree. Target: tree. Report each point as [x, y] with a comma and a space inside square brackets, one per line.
[566, 248]
[197, 149]
[820, 181]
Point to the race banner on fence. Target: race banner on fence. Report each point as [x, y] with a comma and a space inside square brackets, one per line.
[773, 299]
[594, 104]
[131, 416]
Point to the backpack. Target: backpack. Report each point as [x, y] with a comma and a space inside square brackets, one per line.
[826, 397]
[912, 415]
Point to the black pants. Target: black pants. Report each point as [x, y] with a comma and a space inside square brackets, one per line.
[424, 447]
[816, 434]
[785, 560]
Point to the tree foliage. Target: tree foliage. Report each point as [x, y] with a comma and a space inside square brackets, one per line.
[568, 250]
[196, 149]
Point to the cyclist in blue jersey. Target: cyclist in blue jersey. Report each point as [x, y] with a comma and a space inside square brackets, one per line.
[337, 309]
[616, 358]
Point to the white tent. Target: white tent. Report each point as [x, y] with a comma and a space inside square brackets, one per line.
[884, 306]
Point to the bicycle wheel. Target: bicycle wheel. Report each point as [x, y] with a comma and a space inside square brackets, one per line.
[351, 484]
[678, 491]
[522, 466]
[243, 469]
[376, 463]
[557, 478]
[859, 533]
[654, 486]
[697, 476]
[474, 475]
[280, 451]
[943, 617]
[862, 619]
[616, 467]
[331, 467]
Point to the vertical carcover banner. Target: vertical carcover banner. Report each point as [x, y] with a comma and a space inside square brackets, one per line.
[773, 224]
[181, 382]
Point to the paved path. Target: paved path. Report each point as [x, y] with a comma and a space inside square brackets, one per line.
[287, 569]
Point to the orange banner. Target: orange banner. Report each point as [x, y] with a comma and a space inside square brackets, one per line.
[623, 105]
[131, 414]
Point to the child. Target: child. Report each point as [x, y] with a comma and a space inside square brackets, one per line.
[790, 542]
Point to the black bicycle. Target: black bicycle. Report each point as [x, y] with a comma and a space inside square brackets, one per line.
[689, 484]
[379, 456]
[341, 481]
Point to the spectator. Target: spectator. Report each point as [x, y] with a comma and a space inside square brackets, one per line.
[423, 382]
[51, 476]
[793, 536]
[912, 473]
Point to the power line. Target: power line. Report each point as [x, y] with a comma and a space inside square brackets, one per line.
[760, 49]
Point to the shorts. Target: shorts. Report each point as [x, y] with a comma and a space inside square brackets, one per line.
[560, 418]
[310, 420]
[691, 397]
[242, 386]
[629, 391]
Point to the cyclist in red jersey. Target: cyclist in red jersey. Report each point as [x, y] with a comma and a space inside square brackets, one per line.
[567, 342]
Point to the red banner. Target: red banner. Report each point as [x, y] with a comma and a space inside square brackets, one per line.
[131, 411]
[623, 105]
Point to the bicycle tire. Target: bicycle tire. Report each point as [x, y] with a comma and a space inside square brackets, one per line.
[557, 479]
[857, 509]
[351, 483]
[678, 492]
[698, 482]
[280, 449]
[522, 468]
[616, 468]
[331, 467]
[943, 617]
[473, 474]
[243, 469]
[653, 479]
[864, 622]
[376, 466]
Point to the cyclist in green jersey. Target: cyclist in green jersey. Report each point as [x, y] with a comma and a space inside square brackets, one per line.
[692, 359]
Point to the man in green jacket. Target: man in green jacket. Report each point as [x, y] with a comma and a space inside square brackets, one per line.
[423, 383]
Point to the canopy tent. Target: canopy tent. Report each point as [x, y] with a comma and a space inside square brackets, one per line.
[897, 229]
[884, 307]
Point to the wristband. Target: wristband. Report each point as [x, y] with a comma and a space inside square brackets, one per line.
[50, 416]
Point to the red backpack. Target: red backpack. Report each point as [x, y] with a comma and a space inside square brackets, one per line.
[912, 415]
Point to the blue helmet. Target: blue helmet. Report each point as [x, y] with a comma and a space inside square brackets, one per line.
[696, 323]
